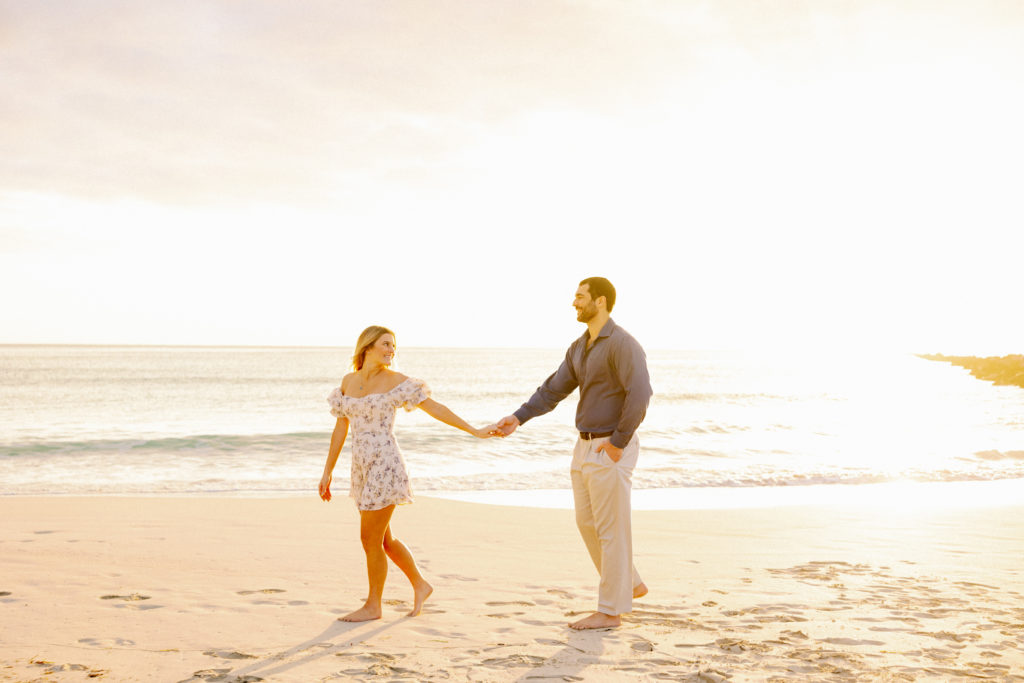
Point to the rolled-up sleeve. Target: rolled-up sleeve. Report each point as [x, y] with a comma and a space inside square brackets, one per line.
[560, 384]
[630, 367]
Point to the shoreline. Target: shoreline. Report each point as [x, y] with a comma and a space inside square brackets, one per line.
[204, 589]
[951, 494]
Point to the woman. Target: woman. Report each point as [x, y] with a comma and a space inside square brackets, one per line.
[367, 400]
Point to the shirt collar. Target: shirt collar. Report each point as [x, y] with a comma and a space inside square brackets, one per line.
[606, 331]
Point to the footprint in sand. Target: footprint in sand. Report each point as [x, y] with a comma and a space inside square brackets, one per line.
[225, 654]
[379, 670]
[513, 660]
[850, 641]
[790, 637]
[268, 591]
[380, 664]
[107, 642]
[559, 643]
[432, 610]
[551, 641]
[561, 593]
[371, 657]
[4, 594]
[456, 577]
[642, 646]
[670, 619]
[134, 597]
[502, 646]
[955, 637]
[940, 654]
[520, 603]
[132, 602]
[737, 646]
[53, 668]
[220, 675]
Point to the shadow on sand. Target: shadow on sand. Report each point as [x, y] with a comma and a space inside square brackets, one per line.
[317, 647]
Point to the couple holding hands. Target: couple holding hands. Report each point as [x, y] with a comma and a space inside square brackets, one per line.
[610, 369]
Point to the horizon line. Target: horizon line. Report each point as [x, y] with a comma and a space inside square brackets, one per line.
[413, 346]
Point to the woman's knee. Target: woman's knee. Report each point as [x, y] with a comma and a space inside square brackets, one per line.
[390, 542]
[371, 541]
[371, 537]
[373, 528]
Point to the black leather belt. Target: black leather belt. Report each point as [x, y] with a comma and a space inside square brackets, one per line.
[587, 436]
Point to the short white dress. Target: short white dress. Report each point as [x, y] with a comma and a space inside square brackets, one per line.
[378, 477]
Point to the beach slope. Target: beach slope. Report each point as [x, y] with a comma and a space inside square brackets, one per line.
[208, 589]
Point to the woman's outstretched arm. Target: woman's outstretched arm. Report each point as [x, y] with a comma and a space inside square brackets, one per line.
[337, 441]
[441, 412]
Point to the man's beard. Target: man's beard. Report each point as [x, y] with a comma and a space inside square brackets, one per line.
[585, 314]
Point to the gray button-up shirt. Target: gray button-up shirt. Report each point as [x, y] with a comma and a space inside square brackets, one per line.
[614, 385]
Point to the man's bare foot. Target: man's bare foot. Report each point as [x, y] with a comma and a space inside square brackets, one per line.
[364, 613]
[640, 591]
[596, 620]
[420, 595]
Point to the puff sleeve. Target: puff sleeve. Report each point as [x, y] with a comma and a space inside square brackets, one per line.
[334, 401]
[412, 393]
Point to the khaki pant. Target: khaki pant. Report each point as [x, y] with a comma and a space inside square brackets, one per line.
[601, 489]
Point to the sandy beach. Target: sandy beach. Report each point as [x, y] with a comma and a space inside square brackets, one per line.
[222, 589]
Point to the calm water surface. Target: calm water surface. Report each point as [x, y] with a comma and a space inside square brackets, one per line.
[254, 421]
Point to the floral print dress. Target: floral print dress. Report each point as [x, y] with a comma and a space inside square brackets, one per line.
[378, 477]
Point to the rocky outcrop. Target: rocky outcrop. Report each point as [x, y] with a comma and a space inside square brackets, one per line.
[1004, 370]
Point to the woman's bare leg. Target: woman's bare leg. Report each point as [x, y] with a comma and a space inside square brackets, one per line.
[403, 559]
[373, 524]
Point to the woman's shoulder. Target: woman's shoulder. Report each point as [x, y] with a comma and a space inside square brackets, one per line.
[397, 380]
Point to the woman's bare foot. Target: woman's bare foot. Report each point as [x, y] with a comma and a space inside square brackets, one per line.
[365, 613]
[640, 591]
[597, 620]
[420, 594]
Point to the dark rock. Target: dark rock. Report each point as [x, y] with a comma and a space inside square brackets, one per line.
[1000, 370]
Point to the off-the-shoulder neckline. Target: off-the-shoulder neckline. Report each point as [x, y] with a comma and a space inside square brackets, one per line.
[376, 393]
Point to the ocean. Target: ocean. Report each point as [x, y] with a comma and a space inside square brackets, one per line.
[247, 421]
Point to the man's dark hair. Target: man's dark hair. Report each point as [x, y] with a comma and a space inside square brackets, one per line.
[599, 286]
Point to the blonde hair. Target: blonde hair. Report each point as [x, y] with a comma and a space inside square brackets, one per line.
[367, 338]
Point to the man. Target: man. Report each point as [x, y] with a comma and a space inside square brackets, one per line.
[610, 369]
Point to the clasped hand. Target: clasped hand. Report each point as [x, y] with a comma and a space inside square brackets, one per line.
[503, 427]
[506, 425]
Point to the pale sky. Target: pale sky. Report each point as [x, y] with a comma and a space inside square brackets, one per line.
[746, 173]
